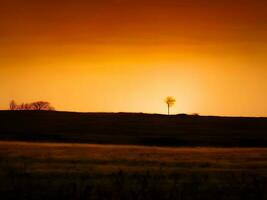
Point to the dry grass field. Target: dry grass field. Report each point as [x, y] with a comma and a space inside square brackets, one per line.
[87, 171]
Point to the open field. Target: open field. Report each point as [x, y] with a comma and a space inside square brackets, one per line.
[131, 156]
[133, 128]
[87, 171]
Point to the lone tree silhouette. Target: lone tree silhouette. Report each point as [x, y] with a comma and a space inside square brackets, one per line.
[170, 101]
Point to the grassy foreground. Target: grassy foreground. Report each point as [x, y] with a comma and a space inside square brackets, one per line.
[84, 171]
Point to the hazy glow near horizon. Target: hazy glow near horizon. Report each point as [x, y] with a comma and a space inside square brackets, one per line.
[127, 56]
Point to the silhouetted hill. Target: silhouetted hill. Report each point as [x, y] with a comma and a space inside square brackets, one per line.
[133, 128]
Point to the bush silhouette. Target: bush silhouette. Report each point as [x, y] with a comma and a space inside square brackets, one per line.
[38, 105]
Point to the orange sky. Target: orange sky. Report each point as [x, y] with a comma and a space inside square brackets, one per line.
[125, 55]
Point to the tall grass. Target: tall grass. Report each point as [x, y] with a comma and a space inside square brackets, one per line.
[47, 171]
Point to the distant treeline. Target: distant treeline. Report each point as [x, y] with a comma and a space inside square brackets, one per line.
[38, 105]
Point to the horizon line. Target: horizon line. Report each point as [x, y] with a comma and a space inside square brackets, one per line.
[123, 112]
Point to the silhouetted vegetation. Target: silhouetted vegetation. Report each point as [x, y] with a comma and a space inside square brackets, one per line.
[80, 172]
[38, 105]
[170, 101]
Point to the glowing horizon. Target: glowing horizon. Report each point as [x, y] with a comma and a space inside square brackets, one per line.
[127, 56]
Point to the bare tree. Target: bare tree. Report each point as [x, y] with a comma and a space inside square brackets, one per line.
[27, 106]
[170, 101]
[41, 105]
[12, 105]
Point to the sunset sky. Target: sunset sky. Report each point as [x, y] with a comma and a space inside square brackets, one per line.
[128, 55]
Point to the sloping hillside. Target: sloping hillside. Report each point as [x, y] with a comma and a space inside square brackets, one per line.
[133, 128]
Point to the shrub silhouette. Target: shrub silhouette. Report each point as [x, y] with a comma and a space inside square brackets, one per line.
[12, 105]
[38, 105]
[41, 105]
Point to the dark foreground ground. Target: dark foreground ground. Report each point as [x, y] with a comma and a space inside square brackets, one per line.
[33, 171]
[133, 128]
[203, 158]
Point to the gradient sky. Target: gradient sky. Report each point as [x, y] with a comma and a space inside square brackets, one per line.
[128, 55]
